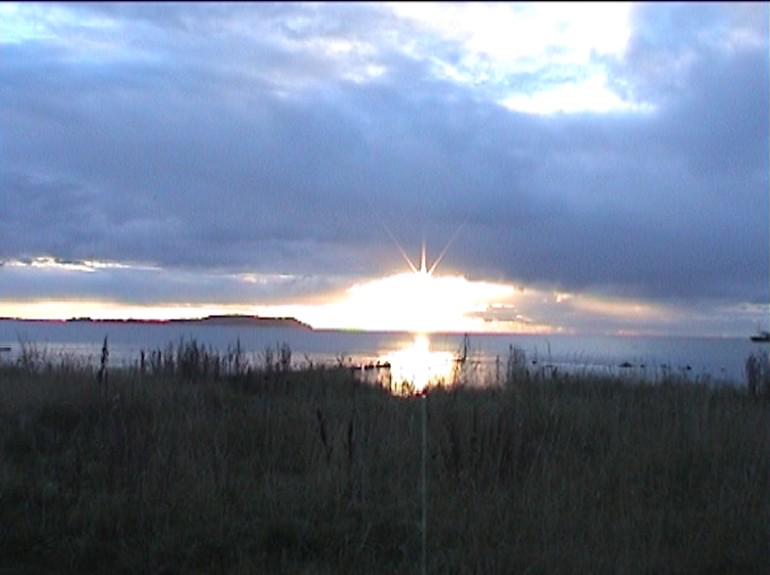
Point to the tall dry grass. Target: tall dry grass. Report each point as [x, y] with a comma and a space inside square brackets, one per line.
[268, 469]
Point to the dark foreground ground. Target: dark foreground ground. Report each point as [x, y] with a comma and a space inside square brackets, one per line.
[198, 470]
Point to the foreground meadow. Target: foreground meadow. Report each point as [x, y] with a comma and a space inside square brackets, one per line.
[200, 464]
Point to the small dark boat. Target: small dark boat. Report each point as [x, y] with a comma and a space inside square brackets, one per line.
[761, 337]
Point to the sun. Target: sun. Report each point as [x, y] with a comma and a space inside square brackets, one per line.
[416, 301]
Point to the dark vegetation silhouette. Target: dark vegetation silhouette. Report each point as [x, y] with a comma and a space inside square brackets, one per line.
[194, 461]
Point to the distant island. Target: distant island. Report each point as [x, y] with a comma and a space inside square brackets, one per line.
[247, 320]
[219, 320]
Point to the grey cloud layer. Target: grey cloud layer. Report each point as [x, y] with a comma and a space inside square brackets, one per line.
[227, 138]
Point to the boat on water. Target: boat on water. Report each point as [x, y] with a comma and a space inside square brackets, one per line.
[761, 336]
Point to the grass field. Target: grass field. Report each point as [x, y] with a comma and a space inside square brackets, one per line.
[201, 464]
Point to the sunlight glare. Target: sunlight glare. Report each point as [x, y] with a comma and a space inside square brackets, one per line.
[418, 367]
[417, 302]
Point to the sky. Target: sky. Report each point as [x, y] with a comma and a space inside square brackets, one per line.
[573, 168]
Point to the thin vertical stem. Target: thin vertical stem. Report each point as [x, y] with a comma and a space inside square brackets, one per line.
[424, 484]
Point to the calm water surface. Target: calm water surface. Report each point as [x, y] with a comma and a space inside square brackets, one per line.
[717, 359]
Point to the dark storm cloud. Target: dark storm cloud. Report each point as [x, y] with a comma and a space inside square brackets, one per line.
[230, 138]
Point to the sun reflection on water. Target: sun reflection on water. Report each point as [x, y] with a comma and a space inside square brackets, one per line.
[414, 368]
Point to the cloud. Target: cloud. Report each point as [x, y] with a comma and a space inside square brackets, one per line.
[57, 280]
[211, 141]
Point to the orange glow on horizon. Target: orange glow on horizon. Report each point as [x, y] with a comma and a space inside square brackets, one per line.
[106, 310]
[415, 301]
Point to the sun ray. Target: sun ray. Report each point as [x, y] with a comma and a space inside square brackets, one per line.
[446, 247]
[400, 249]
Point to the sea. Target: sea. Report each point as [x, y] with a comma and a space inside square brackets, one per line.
[718, 360]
